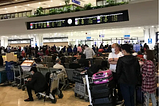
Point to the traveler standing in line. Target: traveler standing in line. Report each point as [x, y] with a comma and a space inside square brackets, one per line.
[149, 84]
[89, 53]
[128, 74]
[36, 50]
[112, 59]
[75, 49]
[79, 48]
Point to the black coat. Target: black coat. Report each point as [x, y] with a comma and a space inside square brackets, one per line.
[38, 82]
[128, 70]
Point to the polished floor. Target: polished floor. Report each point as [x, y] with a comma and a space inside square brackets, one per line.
[11, 96]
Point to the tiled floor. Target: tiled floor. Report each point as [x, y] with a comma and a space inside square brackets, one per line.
[11, 96]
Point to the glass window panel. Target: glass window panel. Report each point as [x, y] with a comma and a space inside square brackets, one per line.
[28, 13]
[20, 14]
[16, 15]
[5, 16]
[12, 15]
[46, 11]
[24, 14]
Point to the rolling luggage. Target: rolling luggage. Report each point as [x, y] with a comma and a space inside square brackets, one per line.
[102, 77]
[77, 77]
[3, 76]
[100, 91]
[139, 95]
[74, 65]
[107, 101]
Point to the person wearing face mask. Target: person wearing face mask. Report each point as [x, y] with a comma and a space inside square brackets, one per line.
[112, 59]
[37, 83]
[149, 83]
[127, 74]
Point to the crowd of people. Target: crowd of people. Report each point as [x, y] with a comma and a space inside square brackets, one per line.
[124, 65]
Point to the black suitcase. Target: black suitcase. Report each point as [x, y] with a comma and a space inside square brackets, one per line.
[77, 76]
[74, 65]
[100, 91]
[107, 101]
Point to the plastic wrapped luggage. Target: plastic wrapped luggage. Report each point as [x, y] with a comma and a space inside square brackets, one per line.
[3, 76]
[100, 91]
[102, 77]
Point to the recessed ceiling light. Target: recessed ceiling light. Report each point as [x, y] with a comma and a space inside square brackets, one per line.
[5, 8]
[39, 2]
[51, 0]
[139, 27]
[48, 5]
[6, 11]
[28, 4]
[25, 9]
[152, 26]
[15, 10]
[15, 7]
[60, 3]
[38, 7]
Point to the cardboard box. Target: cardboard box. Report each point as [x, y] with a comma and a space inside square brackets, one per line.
[10, 57]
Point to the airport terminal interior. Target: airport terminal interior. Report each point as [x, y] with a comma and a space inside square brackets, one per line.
[79, 53]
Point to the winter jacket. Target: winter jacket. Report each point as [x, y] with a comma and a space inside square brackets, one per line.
[128, 70]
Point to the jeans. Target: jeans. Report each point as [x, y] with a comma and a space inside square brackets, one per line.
[128, 94]
[146, 99]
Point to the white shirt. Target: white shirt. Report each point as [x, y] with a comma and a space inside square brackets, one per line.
[113, 55]
[89, 53]
[58, 66]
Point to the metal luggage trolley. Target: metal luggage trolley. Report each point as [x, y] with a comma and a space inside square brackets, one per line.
[43, 70]
[26, 66]
[14, 83]
[54, 87]
[81, 88]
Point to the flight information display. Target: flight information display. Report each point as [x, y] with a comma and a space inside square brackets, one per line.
[82, 20]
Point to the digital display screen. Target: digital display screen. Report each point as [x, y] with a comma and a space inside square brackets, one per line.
[82, 20]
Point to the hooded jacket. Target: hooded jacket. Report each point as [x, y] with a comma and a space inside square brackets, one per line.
[128, 70]
[89, 53]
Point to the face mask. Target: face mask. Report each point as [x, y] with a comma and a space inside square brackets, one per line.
[113, 50]
[145, 57]
[31, 73]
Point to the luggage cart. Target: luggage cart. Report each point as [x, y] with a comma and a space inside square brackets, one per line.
[53, 87]
[81, 88]
[26, 66]
[14, 83]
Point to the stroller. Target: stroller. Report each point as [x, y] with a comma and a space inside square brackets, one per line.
[53, 88]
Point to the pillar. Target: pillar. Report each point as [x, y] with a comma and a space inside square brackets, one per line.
[39, 40]
[150, 33]
[4, 41]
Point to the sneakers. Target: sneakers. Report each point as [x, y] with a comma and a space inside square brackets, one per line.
[29, 99]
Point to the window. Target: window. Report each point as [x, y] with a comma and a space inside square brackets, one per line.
[101, 2]
[20, 14]
[28, 13]
[24, 14]
[12, 15]
[16, 15]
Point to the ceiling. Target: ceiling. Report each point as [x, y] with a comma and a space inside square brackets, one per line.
[33, 4]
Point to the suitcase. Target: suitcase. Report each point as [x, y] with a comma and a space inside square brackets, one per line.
[102, 77]
[77, 77]
[139, 95]
[3, 76]
[102, 101]
[100, 91]
[74, 65]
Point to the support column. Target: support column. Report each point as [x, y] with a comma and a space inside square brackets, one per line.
[150, 33]
[4, 41]
[39, 40]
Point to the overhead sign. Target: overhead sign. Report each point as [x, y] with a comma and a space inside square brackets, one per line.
[77, 2]
[81, 20]
[88, 38]
[126, 36]
[150, 41]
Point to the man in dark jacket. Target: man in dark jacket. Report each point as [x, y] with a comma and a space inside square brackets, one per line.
[37, 83]
[128, 72]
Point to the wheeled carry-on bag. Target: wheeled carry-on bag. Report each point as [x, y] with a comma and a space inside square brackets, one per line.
[100, 91]
[3, 76]
[102, 77]
[102, 102]
[77, 77]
